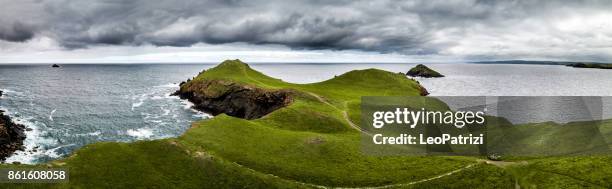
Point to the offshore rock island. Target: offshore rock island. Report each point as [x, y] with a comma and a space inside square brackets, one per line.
[423, 71]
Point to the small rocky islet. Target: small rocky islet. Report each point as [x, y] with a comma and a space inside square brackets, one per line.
[423, 71]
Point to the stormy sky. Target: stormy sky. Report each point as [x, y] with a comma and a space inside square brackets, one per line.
[304, 31]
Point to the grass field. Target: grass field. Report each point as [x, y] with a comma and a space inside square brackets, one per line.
[311, 143]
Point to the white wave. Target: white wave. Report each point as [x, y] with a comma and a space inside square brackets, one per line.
[97, 133]
[169, 85]
[137, 104]
[186, 104]
[141, 100]
[166, 111]
[157, 98]
[51, 115]
[202, 115]
[6, 90]
[94, 133]
[140, 96]
[53, 151]
[34, 140]
[10, 91]
[148, 116]
[189, 106]
[142, 133]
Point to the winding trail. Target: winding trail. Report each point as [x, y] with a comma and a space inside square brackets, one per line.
[344, 112]
[502, 164]
[198, 154]
[356, 127]
[353, 125]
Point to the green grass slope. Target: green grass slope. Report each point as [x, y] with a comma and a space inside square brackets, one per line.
[312, 139]
[311, 143]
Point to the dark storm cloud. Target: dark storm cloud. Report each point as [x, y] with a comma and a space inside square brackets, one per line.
[16, 32]
[407, 27]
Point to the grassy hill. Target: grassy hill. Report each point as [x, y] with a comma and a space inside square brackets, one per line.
[312, 140]
[311, 143]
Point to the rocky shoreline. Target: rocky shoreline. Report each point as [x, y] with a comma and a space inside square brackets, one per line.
[11, 136]
[234, 99]
[422, 90]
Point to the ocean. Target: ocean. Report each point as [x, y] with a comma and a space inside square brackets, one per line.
[75, 105]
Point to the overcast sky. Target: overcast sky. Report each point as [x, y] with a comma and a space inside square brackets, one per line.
[127, 31]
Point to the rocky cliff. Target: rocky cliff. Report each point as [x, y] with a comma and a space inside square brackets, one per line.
[232, 98]
[11, 136]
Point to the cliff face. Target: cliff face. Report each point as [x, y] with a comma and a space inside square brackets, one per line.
[11, 136]
[233, 99]
[423, 91]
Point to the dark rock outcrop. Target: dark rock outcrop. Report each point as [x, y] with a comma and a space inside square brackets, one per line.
[578, 65]
[55, 66]
[1, 93]
[423, 91]
[233, 99]
[590, 65]
[423, 71]
[11, 136]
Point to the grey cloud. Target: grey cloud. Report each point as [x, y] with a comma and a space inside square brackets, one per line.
[407, 27]
[16, 32]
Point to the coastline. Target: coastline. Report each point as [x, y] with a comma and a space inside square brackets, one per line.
[596, 65]
[224, 143]
[12, 135]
